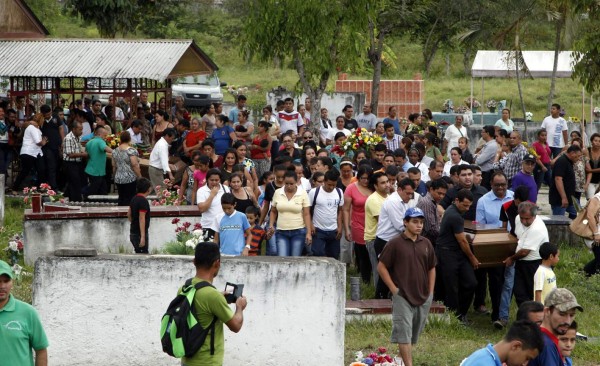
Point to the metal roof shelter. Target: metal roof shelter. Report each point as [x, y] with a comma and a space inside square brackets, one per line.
[501, 64]
[79, 67]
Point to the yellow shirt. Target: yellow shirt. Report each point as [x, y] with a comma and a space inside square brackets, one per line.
[289, 212]
[372, 208]
[544, 280]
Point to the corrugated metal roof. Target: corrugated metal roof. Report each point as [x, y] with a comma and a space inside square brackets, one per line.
[109, 59]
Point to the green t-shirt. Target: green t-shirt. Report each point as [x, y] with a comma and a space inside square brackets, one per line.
[209, 303]
[21, 331]
[96, 165]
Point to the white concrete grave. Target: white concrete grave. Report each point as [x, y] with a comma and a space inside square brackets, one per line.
[107, 310]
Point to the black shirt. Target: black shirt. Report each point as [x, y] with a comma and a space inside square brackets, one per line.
[50, 129]
[562, 168]
[452, 223]
[376, 165]
[350, 124]
[477, 191]
[138, 204]
[270, 191]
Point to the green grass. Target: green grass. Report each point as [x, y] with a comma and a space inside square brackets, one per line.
[448, 342]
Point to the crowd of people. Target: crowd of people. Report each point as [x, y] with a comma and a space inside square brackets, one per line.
[281, 184]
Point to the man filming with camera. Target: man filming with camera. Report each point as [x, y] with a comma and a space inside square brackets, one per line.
[210, 303]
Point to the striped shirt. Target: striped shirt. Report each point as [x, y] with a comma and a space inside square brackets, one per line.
[394, 143]
[258, 235]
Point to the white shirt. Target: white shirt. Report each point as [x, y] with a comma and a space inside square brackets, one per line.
[334, 131]
[159, 157]
[135, 138]
[31, 138]
[368, 121]
[119, 115]
[305, 184]
[207, 220]
[326, 208]
[452, 135]
[424, 168]
[391, 216]
[554, 128]
[531, 238]
[449, 165]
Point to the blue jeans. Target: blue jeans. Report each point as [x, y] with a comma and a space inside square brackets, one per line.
[272, 245]
[560, 211]
[290, 242]
[507, 290]
[325, 244]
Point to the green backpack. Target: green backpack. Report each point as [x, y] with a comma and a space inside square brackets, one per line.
[180, 332]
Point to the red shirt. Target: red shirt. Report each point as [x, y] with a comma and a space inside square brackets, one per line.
[543, 152]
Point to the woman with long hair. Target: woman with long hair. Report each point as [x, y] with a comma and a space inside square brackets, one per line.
[244, 197]
[161, 123]
[209, 120]
[593, 166]
[193, 139]
[186, 191]
[505, 123]
[431, 149]
[455, 159]
[355, 196]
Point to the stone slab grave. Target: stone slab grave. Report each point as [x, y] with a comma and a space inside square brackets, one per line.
[106, 310]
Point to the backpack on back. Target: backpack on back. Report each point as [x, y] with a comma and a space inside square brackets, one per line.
[180, 332]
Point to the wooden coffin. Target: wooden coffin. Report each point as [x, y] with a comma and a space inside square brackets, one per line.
[490, 244]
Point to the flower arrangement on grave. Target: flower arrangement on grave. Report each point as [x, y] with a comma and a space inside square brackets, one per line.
[528, 116]
[44, 189]
[447, 107]
[491, 104]
[472, 102]
[167, 196]
[112, 141]
[235, 91]
[379, 358]
[463, 109]
[14, 249]
[187, 237]
[360, 138]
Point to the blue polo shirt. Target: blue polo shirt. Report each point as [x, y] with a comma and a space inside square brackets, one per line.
[550, 355]
[488, 208]
[21, 332]
[484, 357]
[231, 232]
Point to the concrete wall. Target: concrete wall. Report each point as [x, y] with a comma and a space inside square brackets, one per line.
[107, 310]
[106, 235]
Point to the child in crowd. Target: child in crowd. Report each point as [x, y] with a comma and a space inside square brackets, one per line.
[200, 173]
[257, 233]
[139, 216]
[463, 143]
[544, 279]
[231, 228]
[566, 344]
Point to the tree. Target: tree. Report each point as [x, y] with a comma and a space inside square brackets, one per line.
[318, 37]
[506, 33]
[114, 17]
[587, 52]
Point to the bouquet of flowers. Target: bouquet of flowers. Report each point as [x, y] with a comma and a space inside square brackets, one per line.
[529, 116]
[168, 196]
[187, 237]
[574, 119]
[14, 249]
[379, 358]
[235, 91]
[530, 149]
[471, 102]
[112, 141]
[43, 189]
[491, 103]
[361, 138]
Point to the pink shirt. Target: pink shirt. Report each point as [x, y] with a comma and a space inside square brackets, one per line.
[543, 152]
[357, 215]
[200, 177]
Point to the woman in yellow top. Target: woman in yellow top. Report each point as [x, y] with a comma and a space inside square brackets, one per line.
[290, 207]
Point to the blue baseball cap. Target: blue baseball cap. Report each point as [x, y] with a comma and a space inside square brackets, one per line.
[414, 212]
